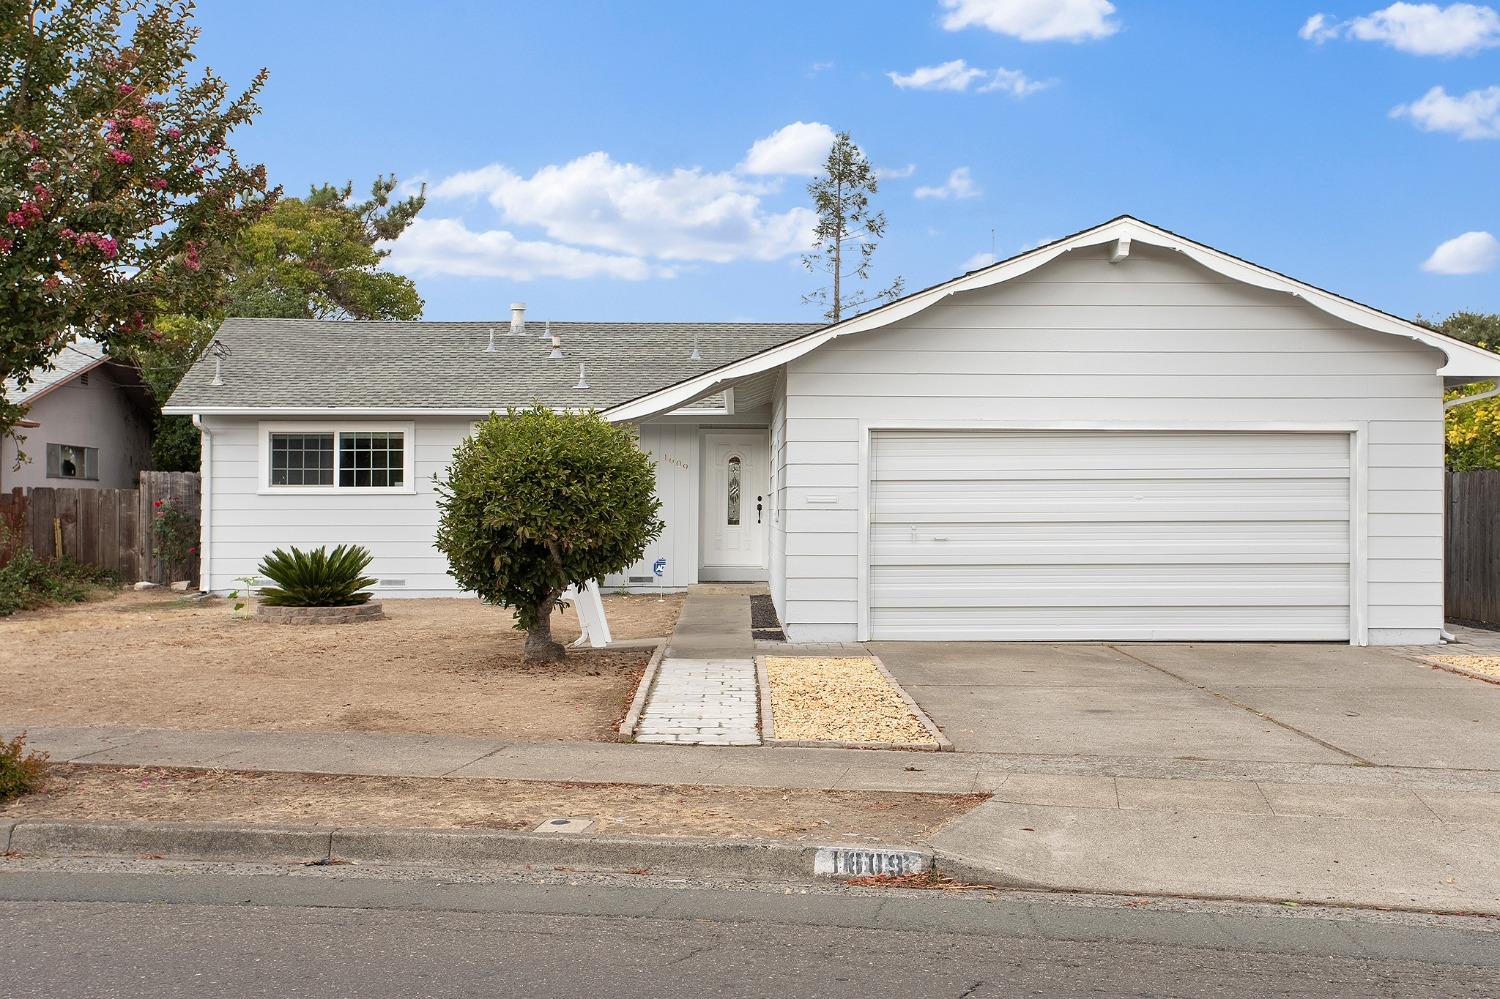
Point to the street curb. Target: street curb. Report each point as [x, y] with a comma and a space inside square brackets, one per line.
[768, 721]
[632, 719]
[1454, 668]
[753, 860]
[5, 829]
[199, 841]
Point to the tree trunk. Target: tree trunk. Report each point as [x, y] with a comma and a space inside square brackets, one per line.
[540, 648]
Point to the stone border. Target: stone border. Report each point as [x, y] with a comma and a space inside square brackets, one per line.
[632, 719]
[1453, 668]
[664, 855]
[768, 722]
[349, 614]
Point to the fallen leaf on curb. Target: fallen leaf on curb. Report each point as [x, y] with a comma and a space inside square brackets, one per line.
[326, 862]
[151, 856]
[928, 880]
[642, 871]
[13, 855]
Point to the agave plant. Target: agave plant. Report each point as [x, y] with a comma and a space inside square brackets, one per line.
[318, 578]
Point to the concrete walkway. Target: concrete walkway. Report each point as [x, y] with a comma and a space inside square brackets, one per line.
[1356, 835]
[705, 692]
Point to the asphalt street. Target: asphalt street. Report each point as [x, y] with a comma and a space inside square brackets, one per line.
[106, 929]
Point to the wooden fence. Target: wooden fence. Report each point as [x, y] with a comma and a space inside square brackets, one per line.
[109, 528]
[1471, 574]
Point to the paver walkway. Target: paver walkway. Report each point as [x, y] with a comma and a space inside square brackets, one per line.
[706, 702]
[705, 692]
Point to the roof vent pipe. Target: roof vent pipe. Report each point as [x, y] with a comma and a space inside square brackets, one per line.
[517, 318]
[547, 331]
[491, 348]
[557, 353]
[696, 355]
[583, 378]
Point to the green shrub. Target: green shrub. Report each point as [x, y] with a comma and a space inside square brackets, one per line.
[537, 500]
[20, 772]
[27, 581]
[318, 578]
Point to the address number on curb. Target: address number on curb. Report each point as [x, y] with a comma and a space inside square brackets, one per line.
[839, 862]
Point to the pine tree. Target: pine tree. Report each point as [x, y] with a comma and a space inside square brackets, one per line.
[841, 198]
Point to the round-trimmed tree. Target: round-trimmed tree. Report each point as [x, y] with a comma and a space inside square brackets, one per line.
[536, 501]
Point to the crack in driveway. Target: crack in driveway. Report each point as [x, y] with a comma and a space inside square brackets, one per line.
[1243, 707]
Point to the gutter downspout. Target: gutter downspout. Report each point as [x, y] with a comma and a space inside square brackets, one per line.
[205, 505]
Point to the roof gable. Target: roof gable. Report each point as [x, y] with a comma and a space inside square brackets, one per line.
[1464, 361]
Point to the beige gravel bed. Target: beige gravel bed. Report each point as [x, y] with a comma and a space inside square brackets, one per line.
[1483, 665]
[846, 699]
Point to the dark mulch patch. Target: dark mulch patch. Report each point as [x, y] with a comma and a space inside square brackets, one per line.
[763, 620]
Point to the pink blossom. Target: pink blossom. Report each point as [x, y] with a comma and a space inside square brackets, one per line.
[52, 282]
[36, 145]
[160, 183]
[42, 193]
[126, 88]
[6, 244]
[190, 259]
[174, 133]
[213, 150]
[197, 169]
[121, 156]
[141, 123]
[40, 166]
[28, 214]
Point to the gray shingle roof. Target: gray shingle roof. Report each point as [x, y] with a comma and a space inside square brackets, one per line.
[304, 363]
[80, 354]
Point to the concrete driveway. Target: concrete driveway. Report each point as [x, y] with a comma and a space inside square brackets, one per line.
[1234, 702]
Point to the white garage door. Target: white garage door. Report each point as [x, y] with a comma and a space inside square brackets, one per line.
[1074, 535]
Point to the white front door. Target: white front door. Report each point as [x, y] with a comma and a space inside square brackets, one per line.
[736, 505]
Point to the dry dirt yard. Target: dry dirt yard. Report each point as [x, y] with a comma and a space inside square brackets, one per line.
[135, 794]
[435, 666]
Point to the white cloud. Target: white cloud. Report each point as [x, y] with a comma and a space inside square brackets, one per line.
[958, 185]
[1034, 20]
[799, 148]
[895, 173]
[1416, 28]
[959, 75]
[1471, 253]
[682, 214]
[954, 75]
[1319, 28]
[449, 248]
[979, 260]
[1475, 115]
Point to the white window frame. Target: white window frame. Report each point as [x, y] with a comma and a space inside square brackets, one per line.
[408, 456]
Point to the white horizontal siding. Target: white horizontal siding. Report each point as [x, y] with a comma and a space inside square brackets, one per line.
[1154, 340]
[398, 527]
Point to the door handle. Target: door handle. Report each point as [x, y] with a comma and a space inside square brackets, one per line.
[757, 509]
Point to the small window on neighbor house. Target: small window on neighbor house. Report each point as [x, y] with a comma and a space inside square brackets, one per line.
[70, 461]
[372, 458]
[302, 459]
[734, 491]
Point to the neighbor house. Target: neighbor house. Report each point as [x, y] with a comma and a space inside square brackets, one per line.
[1121, 435]
[87, 423]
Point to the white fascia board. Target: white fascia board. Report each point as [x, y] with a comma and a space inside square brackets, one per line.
[1464, 361]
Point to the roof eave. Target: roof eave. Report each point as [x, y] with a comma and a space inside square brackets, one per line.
[1464, 361]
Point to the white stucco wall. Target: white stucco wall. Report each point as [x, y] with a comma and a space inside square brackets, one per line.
[1153, 339]
[96, 414]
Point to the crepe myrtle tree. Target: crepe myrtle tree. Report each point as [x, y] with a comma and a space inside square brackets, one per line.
[536, 501]
[120, 194]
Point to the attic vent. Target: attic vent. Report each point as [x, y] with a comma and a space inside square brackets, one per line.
[390, 582]
[83, 379]
[517, 318]
[642, 579]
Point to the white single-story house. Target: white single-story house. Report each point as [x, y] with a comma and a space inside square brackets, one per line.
[87, 423]
[1121, 435]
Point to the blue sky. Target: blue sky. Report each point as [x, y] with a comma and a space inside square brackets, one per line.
[595, 159]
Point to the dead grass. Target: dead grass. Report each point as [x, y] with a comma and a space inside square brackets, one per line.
[154, 794]
[439, 666]
[843, 699]
[1483, 665]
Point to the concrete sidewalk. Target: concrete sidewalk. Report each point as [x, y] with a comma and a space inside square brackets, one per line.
[1355, 835]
